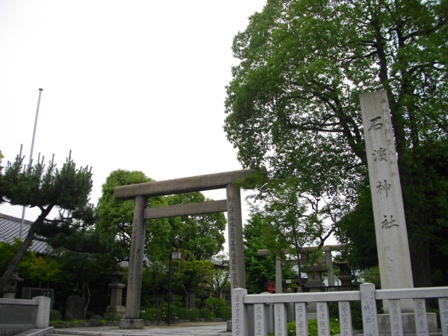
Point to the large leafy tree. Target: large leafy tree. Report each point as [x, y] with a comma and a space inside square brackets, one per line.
[202, 235]
[47, 188]
[293, 102]
[115, 217]
[259, 269]
[198, 237]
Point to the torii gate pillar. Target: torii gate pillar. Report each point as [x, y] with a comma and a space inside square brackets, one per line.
[235, 234]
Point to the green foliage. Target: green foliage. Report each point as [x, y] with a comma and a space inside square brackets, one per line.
[219, 308]
[372, 275]
[72, 324]
[188, 274]
[224, 312]
[198, 238]
[7, 252]
[312, 328]
[220, 281]
[260, 234]
[293, 104]
[259, 269]
[215, 308]
[207, 314]
[66, 189]
[43, 269]
[356, 310]
[185, 314]
[1, 167]
[189, 314]
[153, 314]
[356, 231]
[41, 186]
[201, 235]
[114, 216]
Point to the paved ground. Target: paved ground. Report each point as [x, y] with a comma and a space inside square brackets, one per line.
[180, 329]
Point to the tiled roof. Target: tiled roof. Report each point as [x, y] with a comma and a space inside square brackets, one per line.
[10, 229]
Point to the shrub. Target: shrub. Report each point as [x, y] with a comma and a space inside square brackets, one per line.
[219, 307]
[152, 314]
[224, 312]
[190, 314]
[207, 314]
[312, 328]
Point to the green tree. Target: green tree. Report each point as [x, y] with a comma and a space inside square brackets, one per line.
[200, 235]
[190, 277]
[80, 269]
[356, 231]
[43, 270]
[47, 188]
[1, 157]
[259, 269]
[7, 253]
[293, 103]
[115, 217]
[221, 276]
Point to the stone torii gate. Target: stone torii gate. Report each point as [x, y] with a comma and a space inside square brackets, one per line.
[140, 194]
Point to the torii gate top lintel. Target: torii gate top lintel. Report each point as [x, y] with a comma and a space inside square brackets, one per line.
[181, 185]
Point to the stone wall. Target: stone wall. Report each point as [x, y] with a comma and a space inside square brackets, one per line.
[18, 315]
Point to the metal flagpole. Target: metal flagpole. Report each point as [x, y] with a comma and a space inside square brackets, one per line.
[31, 156]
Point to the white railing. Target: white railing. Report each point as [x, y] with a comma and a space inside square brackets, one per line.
[260, 314]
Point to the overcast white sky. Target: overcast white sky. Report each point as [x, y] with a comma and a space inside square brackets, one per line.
[135, 84]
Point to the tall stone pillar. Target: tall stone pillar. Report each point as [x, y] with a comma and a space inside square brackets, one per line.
[388, 210]
[390, 223]
[235, 234]
[131, 319]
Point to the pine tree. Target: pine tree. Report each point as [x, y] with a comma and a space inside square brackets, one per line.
[47, 188]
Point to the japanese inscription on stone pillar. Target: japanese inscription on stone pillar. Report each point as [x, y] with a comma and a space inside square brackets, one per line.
[385, 187]
[301, 319]
[232, 244]
[443, 306]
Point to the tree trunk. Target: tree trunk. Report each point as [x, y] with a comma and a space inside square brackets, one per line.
[420, 260]
[88, 294]
[24, 247]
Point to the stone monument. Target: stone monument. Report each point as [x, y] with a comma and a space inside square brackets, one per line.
[390, 224]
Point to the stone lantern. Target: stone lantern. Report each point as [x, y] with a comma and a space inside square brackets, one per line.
[10, 290]
[116, 309]
[345, 275]
[314, 283]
